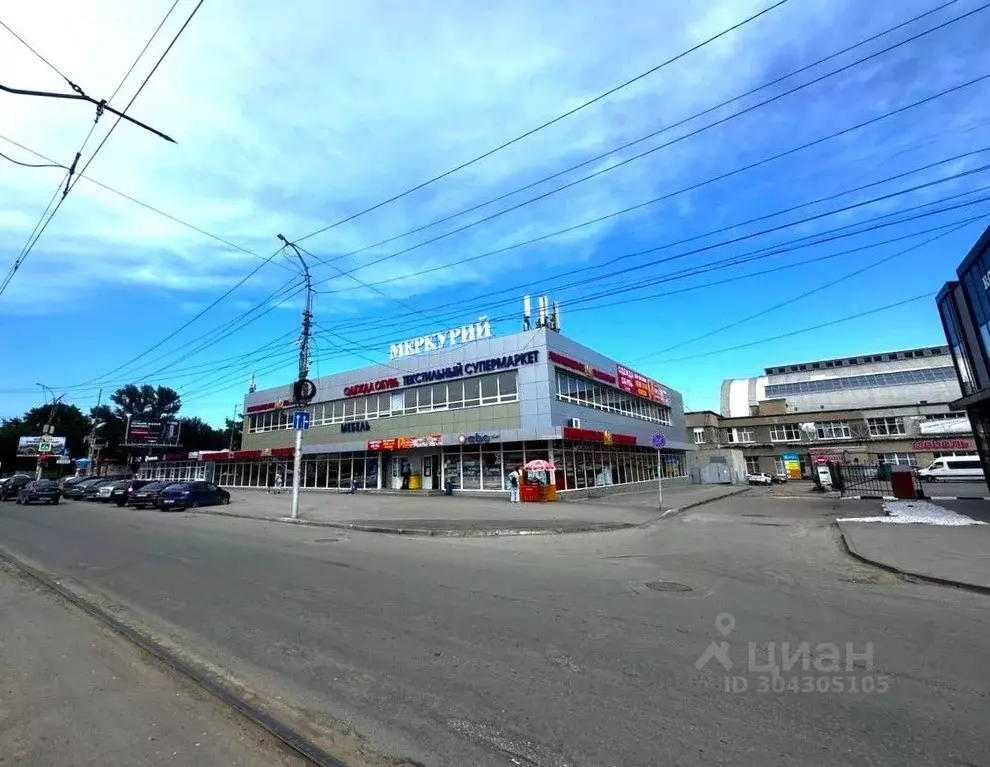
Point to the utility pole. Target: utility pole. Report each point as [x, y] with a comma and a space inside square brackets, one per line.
[233, 423]
[302, 390]
[92, 436]
[48, 430]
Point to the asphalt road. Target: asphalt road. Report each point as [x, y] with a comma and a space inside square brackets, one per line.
[554, 650]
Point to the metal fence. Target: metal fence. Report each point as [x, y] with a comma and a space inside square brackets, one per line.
[860, 479]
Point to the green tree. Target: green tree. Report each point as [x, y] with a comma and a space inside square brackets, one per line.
[233, 431]
[146, 401]
[196, 434]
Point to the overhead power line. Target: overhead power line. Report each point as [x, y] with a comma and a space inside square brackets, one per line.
[515, 290]
[32, 164]
[40, 228]
[811, 329]
[152, 208]
[661, 198]
[548, 123]
[664, 129]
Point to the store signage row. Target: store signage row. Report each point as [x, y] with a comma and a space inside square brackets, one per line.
[227, 455]
[442, 374]
[436, 341]
[638, 384]
[265, 406]
[582, 367]
[371, 387]
[471, 368]
[348, 428]
[481, 439]
[943, 444]
[405, 443]
[606, 438]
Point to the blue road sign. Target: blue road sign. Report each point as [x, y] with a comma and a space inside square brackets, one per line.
[300, 420]
[659, 441]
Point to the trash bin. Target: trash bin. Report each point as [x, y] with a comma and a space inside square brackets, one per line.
[415, 482]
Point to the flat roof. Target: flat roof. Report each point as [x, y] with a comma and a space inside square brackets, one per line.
[939, 347]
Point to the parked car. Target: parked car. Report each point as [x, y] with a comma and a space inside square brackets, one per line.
[39, 491]
[91, 489]
[959, 468]
[12, 486]
[187, 495]
[76, 489]
[759, 479]
[779, 479]
[147, 495]
[123, 491]
[103, 490]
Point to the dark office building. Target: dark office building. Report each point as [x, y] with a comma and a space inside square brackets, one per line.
[964, 307]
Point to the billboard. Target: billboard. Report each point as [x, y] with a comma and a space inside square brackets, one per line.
[151, 432]
[27, 447]
[638, 384]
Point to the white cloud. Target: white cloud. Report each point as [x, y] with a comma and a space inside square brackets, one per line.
[289, 121]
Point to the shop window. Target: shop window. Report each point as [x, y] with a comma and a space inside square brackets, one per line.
[333, 472]
[452, 466]
[492, 477]
[345, 470]
[752, 464]
[471, 468]
[371, 472]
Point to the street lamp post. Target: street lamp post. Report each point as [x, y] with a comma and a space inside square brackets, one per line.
[48, 430]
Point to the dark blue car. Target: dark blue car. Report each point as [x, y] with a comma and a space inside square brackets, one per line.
[189, 495]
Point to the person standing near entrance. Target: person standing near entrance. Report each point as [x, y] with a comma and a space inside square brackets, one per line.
[514, 486]
[278, 483]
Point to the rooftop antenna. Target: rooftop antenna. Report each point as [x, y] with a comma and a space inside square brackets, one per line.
[541, 320]
[527, 313]
[556, 316]
[252, 387]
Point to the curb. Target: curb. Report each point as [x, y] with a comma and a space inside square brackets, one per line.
[686, 507]
[870, 498]
[850, 548]
[603, 527]
[289, 737]
[959, 498]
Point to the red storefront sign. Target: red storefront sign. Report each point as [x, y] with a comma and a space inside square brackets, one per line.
[404, 443]
[229, 455]
[638, 384]
[371, 387]
[590, 435]
[943, 444]
[264, 406]
[582, 367]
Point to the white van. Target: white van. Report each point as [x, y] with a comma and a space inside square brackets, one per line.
[959, 468]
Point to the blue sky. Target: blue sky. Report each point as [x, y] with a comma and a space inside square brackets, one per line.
[290, 121]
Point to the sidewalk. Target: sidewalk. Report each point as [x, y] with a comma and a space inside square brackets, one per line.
[75, 693]
[466, 515]
[940, 542]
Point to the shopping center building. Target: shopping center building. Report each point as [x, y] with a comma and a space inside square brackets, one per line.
[464, 407]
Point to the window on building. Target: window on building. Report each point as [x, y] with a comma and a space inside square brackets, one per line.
[779, 467]
[739, 434]
[892, 378]
[885, 427]
[471, 392]
[699, 436]
[833, 430]
[898, 459]
[752, 464]
[582, 391]
[785, 432]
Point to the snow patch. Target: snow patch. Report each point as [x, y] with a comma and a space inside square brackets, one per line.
[917, 513]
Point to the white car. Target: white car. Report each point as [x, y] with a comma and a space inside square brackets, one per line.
[759, 479]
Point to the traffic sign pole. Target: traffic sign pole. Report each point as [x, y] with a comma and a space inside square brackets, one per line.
[659, 441]
[300, 422]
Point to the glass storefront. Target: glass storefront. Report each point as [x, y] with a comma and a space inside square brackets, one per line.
[468, 467]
